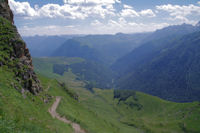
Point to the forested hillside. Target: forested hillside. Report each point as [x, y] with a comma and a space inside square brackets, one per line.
[168, 69]
[72, 48]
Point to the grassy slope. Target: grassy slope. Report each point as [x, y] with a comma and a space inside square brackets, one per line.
[156, 116]
[80, 71]
[97, 113]
[78, 112]
[18, 113]
[162, 116]
[30, 114]
[94, 110]
[44, 66]
[73, 110]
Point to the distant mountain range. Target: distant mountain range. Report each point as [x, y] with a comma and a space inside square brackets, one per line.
[108, 47]
[166, 67]
[157, 63]
[41, 46]
[73, 48]
[112, 47]
[157, 39]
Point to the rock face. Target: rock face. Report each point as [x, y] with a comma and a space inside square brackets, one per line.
[17, 51]
[5, 11]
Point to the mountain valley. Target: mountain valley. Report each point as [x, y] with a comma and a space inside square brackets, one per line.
[123, 83]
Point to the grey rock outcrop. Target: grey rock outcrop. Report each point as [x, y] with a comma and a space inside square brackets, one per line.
[5, 11]
[24, 71]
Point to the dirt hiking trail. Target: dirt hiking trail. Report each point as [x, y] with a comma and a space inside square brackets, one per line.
[54, 114]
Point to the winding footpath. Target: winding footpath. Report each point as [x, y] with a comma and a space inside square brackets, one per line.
[54, 114]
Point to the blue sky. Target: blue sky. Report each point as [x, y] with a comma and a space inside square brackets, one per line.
[58, 17]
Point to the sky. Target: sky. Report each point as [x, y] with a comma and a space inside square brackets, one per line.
[61, 17]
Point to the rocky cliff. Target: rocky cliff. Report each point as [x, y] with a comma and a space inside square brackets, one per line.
[14, 53]
[5, 11]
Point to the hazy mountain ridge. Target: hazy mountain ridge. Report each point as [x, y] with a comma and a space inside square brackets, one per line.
[41, 46]
[104, 49]
[168, 69]
[156, 40]
[174, 31]
[110, 47]
[73, 48]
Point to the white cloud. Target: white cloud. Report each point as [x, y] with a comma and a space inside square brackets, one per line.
[96, 27]
[121, 25]
[181, 14]
[127, 12]
[148, 13]
[124, 26]
[181, 20]
[100, 8]
[48, 30]
[96, 23]
[74, 1]
[99, 2]
[198, 2]
[122, 21]
[22, 8]
[103, 17]
[127, 6]
[180, 11]
[65, 1]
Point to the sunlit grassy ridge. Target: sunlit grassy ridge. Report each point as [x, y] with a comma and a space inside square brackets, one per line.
[78, 112]
[155, 116]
